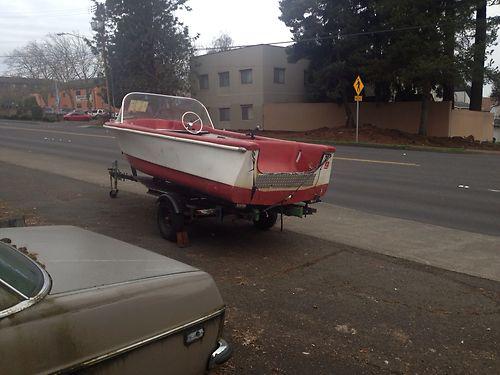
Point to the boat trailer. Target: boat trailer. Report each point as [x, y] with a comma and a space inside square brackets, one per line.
[179, 206]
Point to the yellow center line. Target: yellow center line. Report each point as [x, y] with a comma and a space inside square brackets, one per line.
[56, 132]
[378, 161]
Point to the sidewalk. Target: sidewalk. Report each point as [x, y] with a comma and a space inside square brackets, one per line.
[450, 249]
[455, 250]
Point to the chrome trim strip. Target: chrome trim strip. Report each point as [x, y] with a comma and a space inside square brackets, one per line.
[138, 344]
[186, 140]
[45, 289]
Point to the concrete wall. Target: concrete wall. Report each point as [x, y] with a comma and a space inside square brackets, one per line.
[464, 123]
[404, 116]
[303, 116]
[262, 59]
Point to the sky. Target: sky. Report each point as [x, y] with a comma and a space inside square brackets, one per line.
[247, 22]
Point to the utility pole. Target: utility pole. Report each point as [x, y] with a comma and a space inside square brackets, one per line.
[58, 100]
[99, 26]
[105, 62]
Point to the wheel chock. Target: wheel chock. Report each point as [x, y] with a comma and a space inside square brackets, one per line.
[182, 239]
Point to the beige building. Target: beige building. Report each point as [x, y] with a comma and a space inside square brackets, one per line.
[235, 84]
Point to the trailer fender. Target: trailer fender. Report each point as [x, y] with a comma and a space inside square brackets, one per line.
[174, 199]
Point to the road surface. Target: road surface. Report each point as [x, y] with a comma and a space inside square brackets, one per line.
[455, 190]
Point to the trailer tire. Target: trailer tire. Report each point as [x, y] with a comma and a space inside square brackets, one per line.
[169, 221]
[266, 220]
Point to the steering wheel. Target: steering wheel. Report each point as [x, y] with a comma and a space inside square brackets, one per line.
[188, 125]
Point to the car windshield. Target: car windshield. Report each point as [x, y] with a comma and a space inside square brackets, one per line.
[20, 278]
[164, 107]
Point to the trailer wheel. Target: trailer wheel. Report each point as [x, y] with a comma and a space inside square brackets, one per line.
[266, 220]
[169, 221]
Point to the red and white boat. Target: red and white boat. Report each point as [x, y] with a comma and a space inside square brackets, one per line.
[173, 138]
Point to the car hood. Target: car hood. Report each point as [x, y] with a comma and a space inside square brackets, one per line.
[79, 259]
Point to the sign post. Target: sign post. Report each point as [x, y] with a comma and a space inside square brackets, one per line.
[358, 87]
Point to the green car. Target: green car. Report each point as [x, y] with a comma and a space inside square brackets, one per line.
[73, 300]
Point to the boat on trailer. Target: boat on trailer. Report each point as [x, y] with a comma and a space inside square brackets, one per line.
[173, 140]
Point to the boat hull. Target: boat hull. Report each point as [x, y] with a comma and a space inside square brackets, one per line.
[229, 193]
[227, 172]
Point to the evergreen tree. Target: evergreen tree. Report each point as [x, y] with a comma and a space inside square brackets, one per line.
[332, 35]
[146, 45]
[476, 98]
[485, 34]
[404, 49]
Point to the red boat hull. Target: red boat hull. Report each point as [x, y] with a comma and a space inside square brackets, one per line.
[232, 194]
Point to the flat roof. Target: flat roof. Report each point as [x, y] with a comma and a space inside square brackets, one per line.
[238, 48]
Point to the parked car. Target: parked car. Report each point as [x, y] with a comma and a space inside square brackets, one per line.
[77, 116]
[74, 300]
[98, 112]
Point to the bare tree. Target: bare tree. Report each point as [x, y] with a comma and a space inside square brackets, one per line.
[222, 43]
[59, 57]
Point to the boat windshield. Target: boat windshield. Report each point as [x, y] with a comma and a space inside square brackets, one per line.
[175, 109]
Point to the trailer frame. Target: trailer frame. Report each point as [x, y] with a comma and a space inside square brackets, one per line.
[179, 206]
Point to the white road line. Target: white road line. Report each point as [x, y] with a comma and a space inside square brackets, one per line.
[494, 190]
[378, 161]
[57, 132]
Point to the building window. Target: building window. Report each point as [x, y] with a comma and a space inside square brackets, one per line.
[78, 105]
[78, 93]
[224, 79]
[246, 76]
[247, 112]
[279, 75]
[224, 114]
[203, 81]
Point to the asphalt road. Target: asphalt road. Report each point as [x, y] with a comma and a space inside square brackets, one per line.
[296, 304]
[456, 190]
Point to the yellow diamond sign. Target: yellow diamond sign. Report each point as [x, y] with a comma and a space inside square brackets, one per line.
[358, 85]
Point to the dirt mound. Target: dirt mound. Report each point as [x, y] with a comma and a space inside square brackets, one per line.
[373, 134]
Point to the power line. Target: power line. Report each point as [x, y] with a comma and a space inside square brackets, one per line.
[43, 13]
[49, 15]
[315, 39]
[328, 37]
